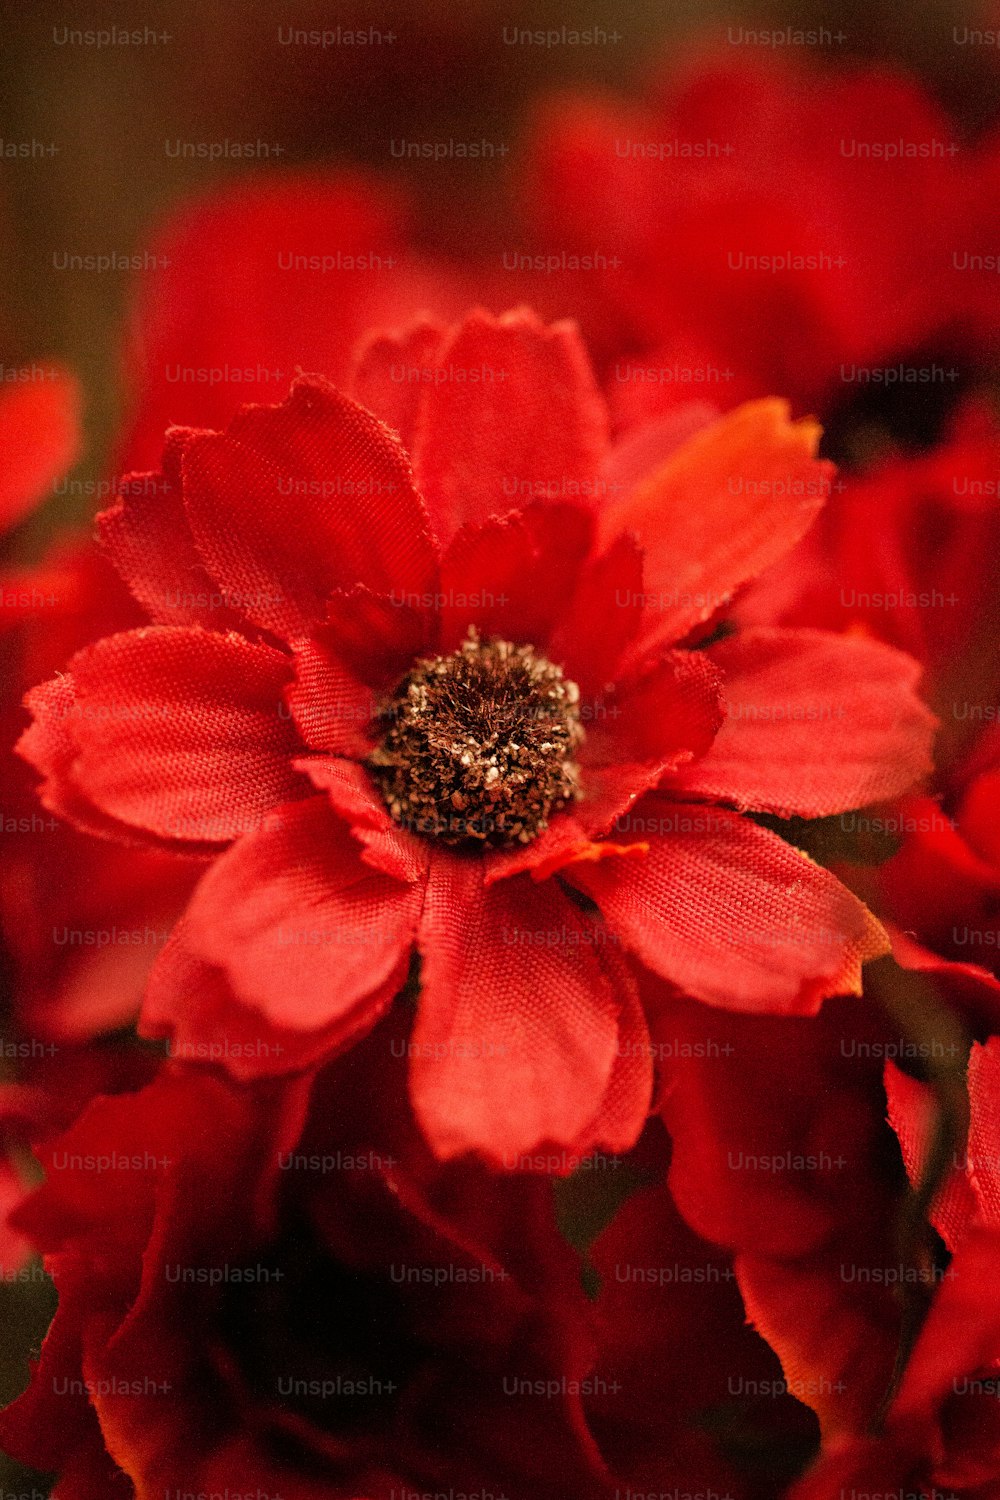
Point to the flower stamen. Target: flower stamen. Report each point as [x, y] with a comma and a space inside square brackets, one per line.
[479, 746]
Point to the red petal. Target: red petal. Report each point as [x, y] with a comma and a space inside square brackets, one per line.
[563, 843]
[297, 500]
[513, 577]
[378, 635]
[516, 415]
[386, 846]
[518, 1021]
[49, 744]
[393, 371]
[39, 440]
[290, 938]
[913, 1115]
[816, 724]
[648, 445]
[836, 1344]
[625, 1103]
[229, 315]
[180, 732]
[147, 536]
[601, 619]
[962, 1332]
[734, 498]
[653, 723]
[667, 713]
[331, 708]
[731, 914]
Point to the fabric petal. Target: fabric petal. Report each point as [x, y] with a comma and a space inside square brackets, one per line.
[179, 731]
[518, 1019]
[731, 914]
[392, 373]
[625, 1103]
[516, 416]
[731, 500]
[654, 722]
[815, 724]
[355, 797]
[332, 710]
[294, 501]
[48, 744]
[148, 539]
[290, 939]
[564, 842]
[602, 618]
[513, 576]
[913, 1115]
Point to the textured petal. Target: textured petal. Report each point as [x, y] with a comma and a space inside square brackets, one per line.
[297, 500]
[601, 619]
[667, 713]
[513, 577]
[147, 537]
[354, 795]
[377, 636]
[516, 415]
[352, 662]
[518, 1021]
[39, 440]
[392, 372]
[815, 724]
[654, 722]
[331, 708]
[290, 937]
[731, 500]
[179, 731]
[647, 445]
[962, 1332]
[625, 1102]
[913, 1115]
[731, 914]
[49, 745]
[564, 842]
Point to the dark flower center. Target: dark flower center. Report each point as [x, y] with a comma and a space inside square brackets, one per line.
[479, 746]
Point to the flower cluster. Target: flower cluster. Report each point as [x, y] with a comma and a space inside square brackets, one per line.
[501, 876]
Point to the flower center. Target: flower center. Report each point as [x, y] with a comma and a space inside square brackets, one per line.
[479, 746]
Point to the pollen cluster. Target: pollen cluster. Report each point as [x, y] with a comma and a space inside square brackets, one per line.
[479, 746]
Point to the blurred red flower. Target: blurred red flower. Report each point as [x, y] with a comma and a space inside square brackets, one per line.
[769, 227]
[40, 438]
[278, 1288]
[309, 711]
[260, 281]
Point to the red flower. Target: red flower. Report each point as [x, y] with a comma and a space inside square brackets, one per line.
[309, 710]
[907, 554]
[39, 438]
[263, 279]
[767, 227]
[301, 1299]
[81, 921]
[941, 1433]
[295, 1299]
